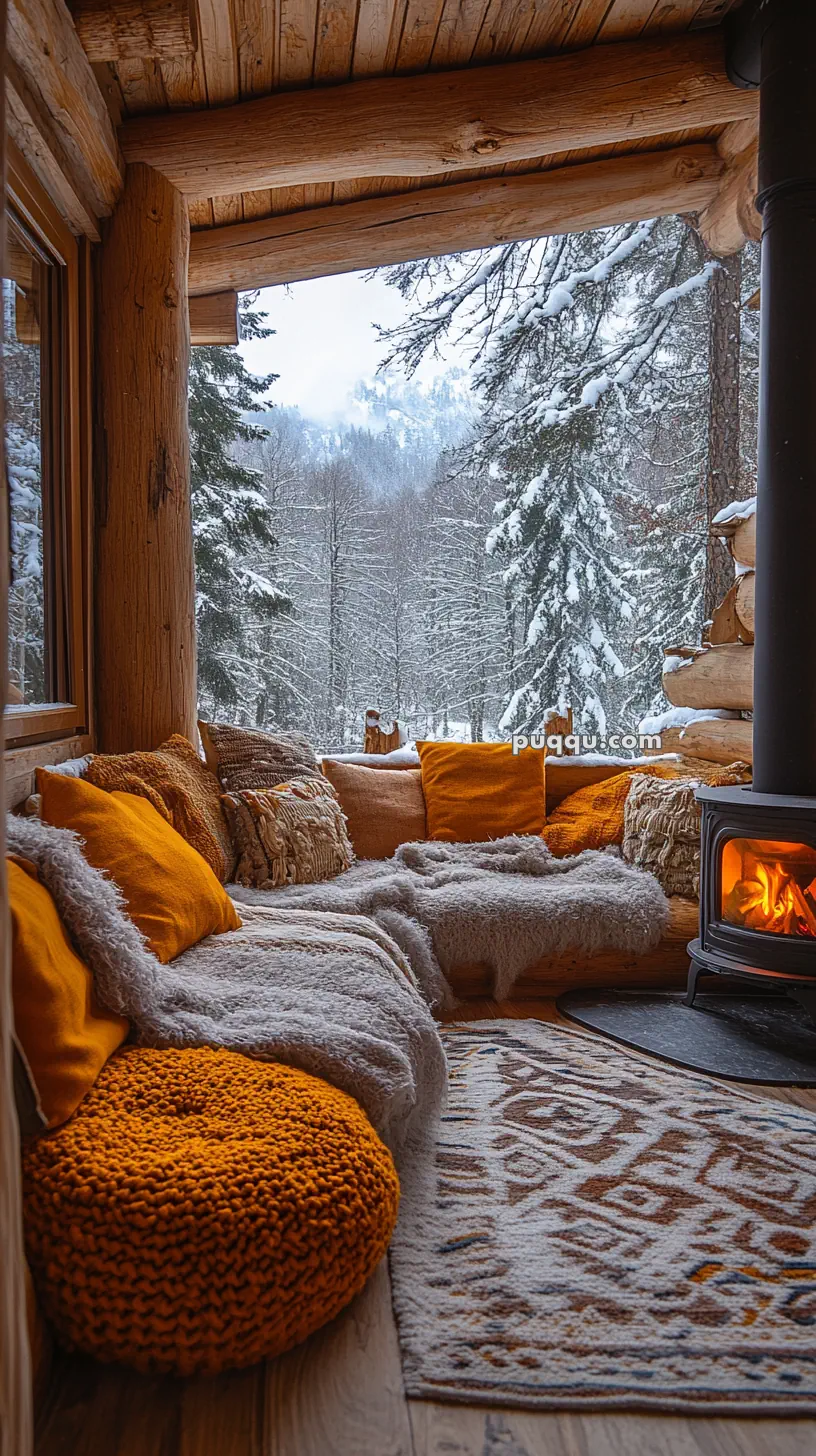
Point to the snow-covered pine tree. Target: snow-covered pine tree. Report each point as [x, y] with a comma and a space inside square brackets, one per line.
[391, 660]
[566, 580]
[580, 345]
[236, 595]
[365, 569]
[461, 597]
[343, 563]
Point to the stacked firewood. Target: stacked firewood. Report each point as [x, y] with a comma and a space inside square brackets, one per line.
[719, 675]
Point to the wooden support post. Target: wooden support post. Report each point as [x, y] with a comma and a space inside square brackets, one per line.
[145, 599]
[560, 724]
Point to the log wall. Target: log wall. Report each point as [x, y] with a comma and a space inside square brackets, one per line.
[15, 1364]
[145, 603]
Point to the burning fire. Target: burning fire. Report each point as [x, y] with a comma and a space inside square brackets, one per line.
[769, 885]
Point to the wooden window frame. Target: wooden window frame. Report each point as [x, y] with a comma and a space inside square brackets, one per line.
[67, 547]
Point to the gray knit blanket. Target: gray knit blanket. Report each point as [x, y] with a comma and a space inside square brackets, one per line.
[327, 993]
[506, 904]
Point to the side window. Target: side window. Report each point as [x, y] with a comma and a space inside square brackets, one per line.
[47, 352]
[30, 292]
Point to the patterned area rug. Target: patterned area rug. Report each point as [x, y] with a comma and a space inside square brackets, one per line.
[608, 1233]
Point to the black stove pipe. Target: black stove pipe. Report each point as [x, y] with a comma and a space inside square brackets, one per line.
[783, 32]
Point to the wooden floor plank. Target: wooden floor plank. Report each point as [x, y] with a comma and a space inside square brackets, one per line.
[341, 1393]
[223, 1414]
[102, 1410]
[453, 1430]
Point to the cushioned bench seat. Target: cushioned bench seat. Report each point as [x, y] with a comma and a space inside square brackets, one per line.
[665, 966]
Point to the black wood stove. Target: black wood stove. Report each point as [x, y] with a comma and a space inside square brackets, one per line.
[757, 891]
[758, 865]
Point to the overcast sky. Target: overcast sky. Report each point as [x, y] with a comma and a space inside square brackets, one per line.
[325, 340]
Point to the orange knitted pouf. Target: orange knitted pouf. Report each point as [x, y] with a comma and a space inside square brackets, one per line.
[202, 1210]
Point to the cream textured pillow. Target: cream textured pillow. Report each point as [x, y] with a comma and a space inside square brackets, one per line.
[293, 834]
[661, 832]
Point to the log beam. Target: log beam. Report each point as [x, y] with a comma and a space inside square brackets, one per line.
[214, 318]
[145, 600]
[746, 585]
[732, 218]
[419, 126]
[135, 30]
[32, 128]
[438, 220]
[56, 73]
[739, 534]
[724, 625]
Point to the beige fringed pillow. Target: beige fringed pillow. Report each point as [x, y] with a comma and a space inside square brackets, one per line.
[293, 834]
[661, 826]
[661, 832]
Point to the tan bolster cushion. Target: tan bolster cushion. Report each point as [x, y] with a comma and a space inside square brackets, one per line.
[384, 807]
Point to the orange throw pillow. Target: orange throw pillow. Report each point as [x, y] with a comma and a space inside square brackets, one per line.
[170, 892]
[476, 791]
[592, 817]
[384, 807]
[65, 1034]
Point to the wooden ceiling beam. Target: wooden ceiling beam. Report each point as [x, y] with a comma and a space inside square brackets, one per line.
[56, 73]
[436, 220]
[135, 30]
[410, 126]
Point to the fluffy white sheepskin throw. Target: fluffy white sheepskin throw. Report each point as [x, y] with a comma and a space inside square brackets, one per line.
[507, 904]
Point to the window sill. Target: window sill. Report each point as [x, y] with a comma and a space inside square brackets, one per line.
[23, 724]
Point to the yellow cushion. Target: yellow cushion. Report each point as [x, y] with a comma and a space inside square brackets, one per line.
[476, 791]
[65, 1034]
[204, 1210]
[171, 894]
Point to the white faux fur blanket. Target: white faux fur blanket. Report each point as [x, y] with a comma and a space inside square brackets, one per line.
[327, 993]
[507, 904]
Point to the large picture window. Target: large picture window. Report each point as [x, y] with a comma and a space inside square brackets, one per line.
[47, 460]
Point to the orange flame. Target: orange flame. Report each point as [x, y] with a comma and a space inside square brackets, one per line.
[769, 886]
